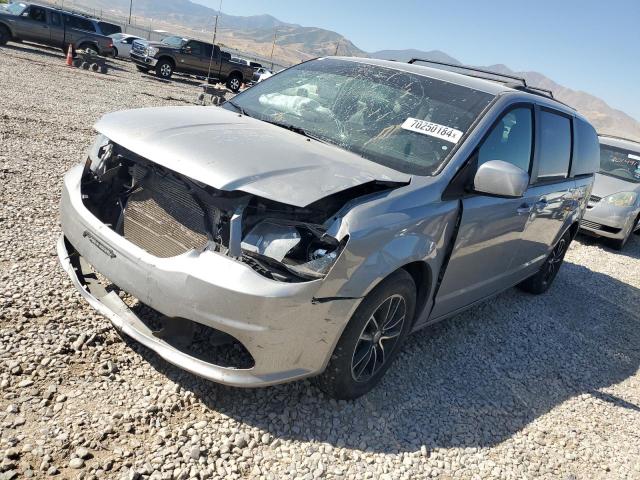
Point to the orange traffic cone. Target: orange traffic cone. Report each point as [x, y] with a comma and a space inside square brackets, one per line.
[70, 56]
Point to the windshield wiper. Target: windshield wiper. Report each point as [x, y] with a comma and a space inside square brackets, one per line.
[237, 107]
[299, 130]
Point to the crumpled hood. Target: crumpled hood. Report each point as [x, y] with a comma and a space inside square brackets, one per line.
[232, 152]
[605, 185]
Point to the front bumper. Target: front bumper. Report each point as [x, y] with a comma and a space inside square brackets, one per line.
[288, 336]
[143, 60]
[608, 221]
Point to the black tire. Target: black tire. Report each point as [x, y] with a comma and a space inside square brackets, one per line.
[542, 280]
[5, 35]
[84, 65]
[115, 52]
[142, 69]
[103, 69]
[95, 67]
[234, 82]
[354, 368]
[164, 69]
[76, 62]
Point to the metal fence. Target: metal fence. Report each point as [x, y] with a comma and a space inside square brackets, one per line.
[154, 31]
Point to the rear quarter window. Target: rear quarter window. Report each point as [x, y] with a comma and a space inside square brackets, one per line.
[554, 155]
[586, 158]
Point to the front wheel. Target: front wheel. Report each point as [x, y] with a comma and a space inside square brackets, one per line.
[372, 339]
[542, 280]
[234, 83]
[164, 69]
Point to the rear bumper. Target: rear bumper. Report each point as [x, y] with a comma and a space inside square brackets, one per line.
[143, 60]
[288, 336]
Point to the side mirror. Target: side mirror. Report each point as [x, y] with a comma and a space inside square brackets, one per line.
[187, 50]
[501, 179]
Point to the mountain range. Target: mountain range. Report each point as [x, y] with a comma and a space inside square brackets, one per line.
[294, 43]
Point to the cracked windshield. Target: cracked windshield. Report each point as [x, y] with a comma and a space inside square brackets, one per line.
[401, 120]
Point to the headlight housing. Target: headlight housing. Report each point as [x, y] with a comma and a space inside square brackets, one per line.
[297, 247]
[622, 199]
[151, 51]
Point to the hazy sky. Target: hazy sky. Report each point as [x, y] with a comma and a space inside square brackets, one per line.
[587, 45]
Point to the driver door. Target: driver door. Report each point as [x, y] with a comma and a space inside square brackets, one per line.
[482, 262]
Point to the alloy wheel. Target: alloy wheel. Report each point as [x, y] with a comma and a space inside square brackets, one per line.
[234, 84]
[378, 338]
[555, 259]
[165, 70]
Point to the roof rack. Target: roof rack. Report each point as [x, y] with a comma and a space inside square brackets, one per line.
[507, 79]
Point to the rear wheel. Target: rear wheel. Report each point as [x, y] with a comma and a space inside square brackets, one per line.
[372, 339]
[541, 281]
[115, 52]
[5, 35]
[234, 82]
[89, 48]
[164, 69]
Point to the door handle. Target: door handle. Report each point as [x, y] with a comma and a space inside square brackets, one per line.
[524, 209]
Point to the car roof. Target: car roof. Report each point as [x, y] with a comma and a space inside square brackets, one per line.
[619, 142]
[486, 85]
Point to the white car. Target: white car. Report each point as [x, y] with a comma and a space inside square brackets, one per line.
[122, 44]
[261, 74]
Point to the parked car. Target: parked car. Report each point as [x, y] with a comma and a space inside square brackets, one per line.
[260, 74]
[178, 54]
[51, 26]
[317, 219]
[613, 211]
[122, 44]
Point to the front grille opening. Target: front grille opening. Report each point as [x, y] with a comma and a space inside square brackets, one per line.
[599, 226]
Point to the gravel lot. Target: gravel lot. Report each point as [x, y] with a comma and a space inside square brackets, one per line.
[519, 387]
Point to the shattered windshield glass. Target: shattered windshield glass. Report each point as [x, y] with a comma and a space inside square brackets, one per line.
[620, 163]
[404, 121]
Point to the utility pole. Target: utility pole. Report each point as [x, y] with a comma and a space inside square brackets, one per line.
[337, 46]
[130, 9]
[273, 46]
[213, 47]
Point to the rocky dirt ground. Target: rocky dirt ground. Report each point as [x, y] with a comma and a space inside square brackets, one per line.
[519, 387]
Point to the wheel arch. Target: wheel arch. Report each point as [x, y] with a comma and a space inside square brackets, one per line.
[8, 28]
[167, 58]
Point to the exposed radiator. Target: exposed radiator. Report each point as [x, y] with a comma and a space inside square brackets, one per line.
[163, 219]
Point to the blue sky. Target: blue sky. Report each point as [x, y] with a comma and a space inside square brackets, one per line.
[586, 45]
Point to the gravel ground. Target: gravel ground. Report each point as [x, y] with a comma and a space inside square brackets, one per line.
[518, 387]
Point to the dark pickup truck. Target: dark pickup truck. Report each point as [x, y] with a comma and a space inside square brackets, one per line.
[178, 54]
[53, 27]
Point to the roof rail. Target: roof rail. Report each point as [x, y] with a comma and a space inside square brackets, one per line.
[507, 79]
[618, 138]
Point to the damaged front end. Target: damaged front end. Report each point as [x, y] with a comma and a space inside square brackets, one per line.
[167, 214]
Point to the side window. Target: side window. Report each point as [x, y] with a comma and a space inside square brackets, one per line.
[55, 19]
[80, 23]
[555, 146]
[511, 139]
[38, 14]
[208, 50]
[586, 149]
[128, 41]
[196, 48]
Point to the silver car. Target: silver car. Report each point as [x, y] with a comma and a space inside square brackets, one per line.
[386, 197]
[613, 210]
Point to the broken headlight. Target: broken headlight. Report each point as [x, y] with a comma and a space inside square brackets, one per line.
[300, 248]
[99, 152]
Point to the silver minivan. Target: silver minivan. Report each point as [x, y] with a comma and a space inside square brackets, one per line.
[385, 197]
[613, 211]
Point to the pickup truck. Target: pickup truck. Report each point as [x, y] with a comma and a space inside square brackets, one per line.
[53, 27]
[178, 54]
